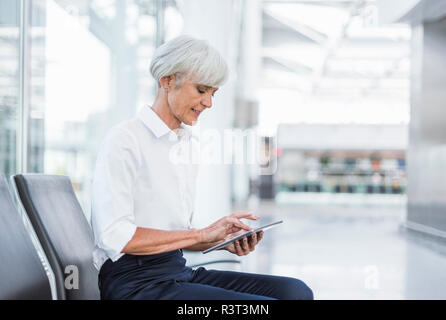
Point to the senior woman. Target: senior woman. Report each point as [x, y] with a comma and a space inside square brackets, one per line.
[142, 204]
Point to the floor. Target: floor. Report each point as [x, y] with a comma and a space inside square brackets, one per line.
[346, 251]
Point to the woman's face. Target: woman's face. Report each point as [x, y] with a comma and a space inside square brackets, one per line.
[188, 101]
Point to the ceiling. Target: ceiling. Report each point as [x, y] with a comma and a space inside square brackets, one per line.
[335, 50]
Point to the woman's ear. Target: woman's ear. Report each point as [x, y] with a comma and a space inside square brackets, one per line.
[164, 82]
[167, 82]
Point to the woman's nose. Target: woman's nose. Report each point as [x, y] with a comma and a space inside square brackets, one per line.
[207, 101]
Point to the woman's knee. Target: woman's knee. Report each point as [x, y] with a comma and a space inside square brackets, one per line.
[295, 289]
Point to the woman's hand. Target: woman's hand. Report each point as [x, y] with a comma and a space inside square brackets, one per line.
[225, 226]
[245, 245]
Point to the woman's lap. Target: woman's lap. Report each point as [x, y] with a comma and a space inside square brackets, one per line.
[134, 277]
[276, 287]
[228, 285]
[181, 290]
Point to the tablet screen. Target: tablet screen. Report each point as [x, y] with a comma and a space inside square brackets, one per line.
[247, 233]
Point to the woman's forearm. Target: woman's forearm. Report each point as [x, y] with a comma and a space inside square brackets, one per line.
[202, 246]
[153, 241]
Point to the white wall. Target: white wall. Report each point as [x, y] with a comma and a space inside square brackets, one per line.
[392, 11]
[410, 11]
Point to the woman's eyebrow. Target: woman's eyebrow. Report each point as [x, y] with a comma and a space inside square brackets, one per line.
[211, 88]
[208, 88]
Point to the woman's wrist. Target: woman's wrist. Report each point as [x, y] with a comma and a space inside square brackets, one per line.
[197, 235]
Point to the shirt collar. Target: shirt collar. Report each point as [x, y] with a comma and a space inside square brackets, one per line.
[158, 127]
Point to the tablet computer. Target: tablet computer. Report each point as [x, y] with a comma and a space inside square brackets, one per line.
[240, 236]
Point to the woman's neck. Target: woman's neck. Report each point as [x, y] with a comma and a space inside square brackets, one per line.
[161, 108]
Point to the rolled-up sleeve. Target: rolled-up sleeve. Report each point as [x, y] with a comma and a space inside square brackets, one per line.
[112, 215]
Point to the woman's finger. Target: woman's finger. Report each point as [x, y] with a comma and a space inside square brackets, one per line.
[259, 236]
[253, 241]
[238, 248]
[236, 222]
[245, 245]
[246, 215]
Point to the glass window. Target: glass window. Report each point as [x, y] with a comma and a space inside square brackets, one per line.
[89, 71]
[9, 84]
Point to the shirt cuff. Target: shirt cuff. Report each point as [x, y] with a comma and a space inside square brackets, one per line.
[116, 238]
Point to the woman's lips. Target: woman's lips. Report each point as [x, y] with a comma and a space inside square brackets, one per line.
[196, 112]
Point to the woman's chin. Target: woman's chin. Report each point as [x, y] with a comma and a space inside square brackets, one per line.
[191, 122]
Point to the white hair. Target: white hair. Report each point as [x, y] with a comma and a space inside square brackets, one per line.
[186, 57]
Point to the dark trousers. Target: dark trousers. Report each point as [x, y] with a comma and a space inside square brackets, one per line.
[165, 276]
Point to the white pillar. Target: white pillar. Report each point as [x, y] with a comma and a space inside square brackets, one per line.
[247, 103]
[251, 50]
[213, 20]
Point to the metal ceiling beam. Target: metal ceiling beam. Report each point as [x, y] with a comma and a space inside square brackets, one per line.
[331, 48]
[303, 29]
[291, 66]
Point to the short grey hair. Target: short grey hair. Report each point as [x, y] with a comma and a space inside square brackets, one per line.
[187, 57]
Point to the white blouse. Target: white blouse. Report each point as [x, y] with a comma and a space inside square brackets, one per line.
[144, 177]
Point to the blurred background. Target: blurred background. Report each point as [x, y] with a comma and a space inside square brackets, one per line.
[345, 96]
